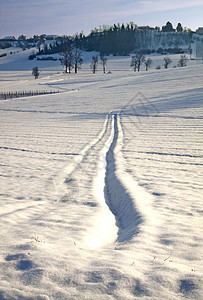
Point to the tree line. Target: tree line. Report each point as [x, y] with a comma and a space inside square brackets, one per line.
[72, 59]
[139, 59]
[123, 40]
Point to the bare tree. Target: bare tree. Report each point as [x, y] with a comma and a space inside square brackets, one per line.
[183, 61]
[137, 61]
[167, 62]
[141, 59]
[77, 59]
[104, 61]
[148, 63]
[67, 59]
[94, 63]
[134, 63]
[35, 72]
[39, 44]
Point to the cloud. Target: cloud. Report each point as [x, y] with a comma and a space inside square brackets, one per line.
[160, 5]
[132, 8]
[140, 6]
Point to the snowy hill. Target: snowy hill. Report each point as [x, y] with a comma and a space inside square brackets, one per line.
[100, 185]
[115, 41]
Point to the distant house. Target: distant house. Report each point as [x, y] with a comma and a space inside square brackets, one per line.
[197, 45]
[145, 28]
[51, 37]
[199, 30]
[9, 38]
[22, 38]
[39, 38]
[36, 37]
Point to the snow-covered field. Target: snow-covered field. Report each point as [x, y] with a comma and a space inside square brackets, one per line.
[101, 184]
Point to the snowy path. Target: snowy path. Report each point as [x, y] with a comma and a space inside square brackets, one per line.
[118, 220]
[117, 197]
[58, 184]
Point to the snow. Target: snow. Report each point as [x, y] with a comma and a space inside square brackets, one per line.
[101, 184]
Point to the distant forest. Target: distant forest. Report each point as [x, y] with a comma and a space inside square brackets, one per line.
[116, 40]
[126, 39]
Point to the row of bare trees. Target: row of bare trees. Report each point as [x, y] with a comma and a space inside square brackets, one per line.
[95, 62]
[139, 58]
[71, 58]
[181, 63]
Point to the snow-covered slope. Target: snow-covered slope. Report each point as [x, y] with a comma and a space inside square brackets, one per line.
[100, 185]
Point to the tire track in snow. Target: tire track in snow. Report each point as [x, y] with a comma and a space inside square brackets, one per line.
[122, 205]
[104, 229]
[118, 219]
[57, 185]
[118, 199]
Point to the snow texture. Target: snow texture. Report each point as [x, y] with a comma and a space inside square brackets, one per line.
[101, 184]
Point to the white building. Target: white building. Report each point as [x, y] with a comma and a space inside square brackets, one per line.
[197, 47]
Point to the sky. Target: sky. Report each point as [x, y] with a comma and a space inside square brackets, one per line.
[67, 17]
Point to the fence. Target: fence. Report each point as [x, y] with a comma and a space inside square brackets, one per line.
[10, 95]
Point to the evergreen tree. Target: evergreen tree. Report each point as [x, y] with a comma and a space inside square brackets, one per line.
[179, 28]
[168, 27]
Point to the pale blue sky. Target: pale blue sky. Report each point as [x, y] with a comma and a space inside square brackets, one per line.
[70, 16]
